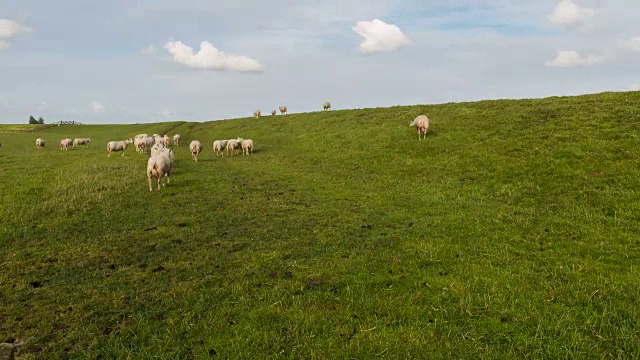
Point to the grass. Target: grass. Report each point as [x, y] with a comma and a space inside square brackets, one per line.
[512, 231]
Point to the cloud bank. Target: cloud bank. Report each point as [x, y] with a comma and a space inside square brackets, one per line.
[210, 58]
[380, 36]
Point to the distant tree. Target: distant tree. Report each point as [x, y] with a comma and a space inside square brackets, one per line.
[40, 120]
[32, 120]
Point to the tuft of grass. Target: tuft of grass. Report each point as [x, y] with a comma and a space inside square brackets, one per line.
[510, 232]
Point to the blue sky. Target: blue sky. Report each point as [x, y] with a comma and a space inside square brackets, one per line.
[110, 62]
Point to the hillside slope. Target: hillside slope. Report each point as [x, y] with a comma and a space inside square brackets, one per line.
[512, 231]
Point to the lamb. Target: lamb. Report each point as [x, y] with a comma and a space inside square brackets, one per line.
[158, 166]
[113, 146]
[81, 141]
[326, 105]
[219, 146]
[65, 144]
[39, 143]
[421, 122]
[273, 113]
[247, 146]
[257, 114]
[176, 139]
[233, 145]
[283, 109]
[195, 148]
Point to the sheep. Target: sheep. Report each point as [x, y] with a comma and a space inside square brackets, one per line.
[159, 149]
[247, 145]
[81, 141]
[195, 148]
[219, 146]
[273, 113]
[233, 145]
[148, 143]
[176, 139]
[421, 122]
[139, 143]
[326, 105]
[113, 146]
[39, 143]
[141, 136]
[166, 139]
[158, 166]
[283, 109]
[65, 144]
[157, 139]
[257, 114]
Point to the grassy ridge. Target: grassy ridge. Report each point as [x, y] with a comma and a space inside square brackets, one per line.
[511, 232]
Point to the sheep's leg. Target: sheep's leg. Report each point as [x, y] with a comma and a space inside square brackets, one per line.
[159, 177]
[150, 187]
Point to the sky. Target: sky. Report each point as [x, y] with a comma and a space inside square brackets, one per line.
[135, 61]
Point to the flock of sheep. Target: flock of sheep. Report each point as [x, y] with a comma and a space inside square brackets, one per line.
[283, 110]
[160, 163]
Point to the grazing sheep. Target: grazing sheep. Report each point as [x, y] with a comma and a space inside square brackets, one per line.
[158, 166]
[257, 114]
[247, 146]
[233, 145]
[113, 146]
[219, 146]
[166, 139]
[195, 148]
[176, 139]
[273, 113]
[39, 143]
[326, 105]
[283, 109]
[65, 144]
[421, 123]
[81, 141]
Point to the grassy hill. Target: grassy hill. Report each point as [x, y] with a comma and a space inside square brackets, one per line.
[512, 231]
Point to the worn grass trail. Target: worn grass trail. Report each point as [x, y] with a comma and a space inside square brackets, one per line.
[512, 231]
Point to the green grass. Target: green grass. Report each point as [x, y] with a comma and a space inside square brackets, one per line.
[512, 231]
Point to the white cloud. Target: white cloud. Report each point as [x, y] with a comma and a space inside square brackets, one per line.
[149, 50]
[10, 29]
[380, 36]
[167, 113]
[567, 12]
[573, 58]
[632, 44]
[97, 108]
[634, 87]
[210, 58]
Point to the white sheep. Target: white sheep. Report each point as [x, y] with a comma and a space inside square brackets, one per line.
[65, 144]
[138, 143]
[195, 148]
[421, 122]
[273, 113]
[158, 166]
[283, 109]
[141, 135]
[166, 140]
[233, 145]
[39, 143]
[219, 146]
[81, 141]
[176, 139]
[113, 146]
[257, 114]
[247, 146]
[326, 105]
[148, 143]
[159, 149]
